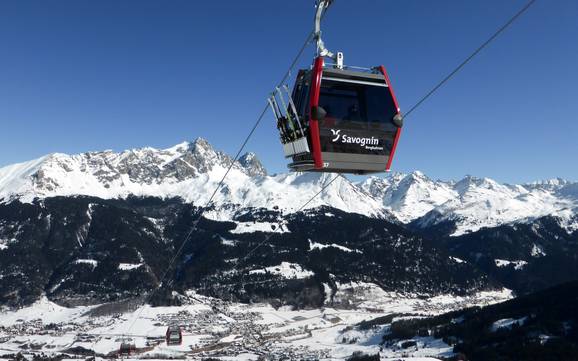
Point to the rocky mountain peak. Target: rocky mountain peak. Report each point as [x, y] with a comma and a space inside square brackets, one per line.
[252, 164]
[416, 174]
[470, 182]
[201, 145]
[181, 147]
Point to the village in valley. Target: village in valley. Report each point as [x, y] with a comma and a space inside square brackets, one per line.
[211, 328]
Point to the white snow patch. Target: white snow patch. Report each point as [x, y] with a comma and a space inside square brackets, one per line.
[537, 251]
[16, 179]
[457, 260]
[129, 266]
[508, 323]
[232, 338]
[227, 242]
[43, 309]
[5, 243]
[518, 265]
[91, 262]
[287, 270]
[250, 227]
[315, 245]
[546, 338]
[568, 219]
[425, 349]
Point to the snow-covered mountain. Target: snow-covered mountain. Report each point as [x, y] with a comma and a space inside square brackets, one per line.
[409, 196]
[192, 171]
[188, 170]
[473, 203]
[72, 233]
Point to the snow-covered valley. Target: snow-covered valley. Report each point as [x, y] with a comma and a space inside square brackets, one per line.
[231, 331]
[84, 237]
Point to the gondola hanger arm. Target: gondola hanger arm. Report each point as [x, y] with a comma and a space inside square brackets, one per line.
[322, 6]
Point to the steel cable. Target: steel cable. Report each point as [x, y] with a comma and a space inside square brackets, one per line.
[259, 119]
[472, 55]
[221, 182]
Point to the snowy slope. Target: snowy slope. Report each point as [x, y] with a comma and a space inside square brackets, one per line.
[188, 170]
[473, 203]
[230, 331]
[486, 203]
[409, 196]
[193, 170]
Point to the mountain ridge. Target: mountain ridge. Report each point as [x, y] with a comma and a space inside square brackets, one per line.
[101, 226]
[192, 170]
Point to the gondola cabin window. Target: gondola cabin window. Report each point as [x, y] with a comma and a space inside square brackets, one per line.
[356, 105]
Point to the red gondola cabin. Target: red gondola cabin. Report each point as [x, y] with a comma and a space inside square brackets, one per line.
[350, 119]
[127, 348]
[174, 335]
[338, 118]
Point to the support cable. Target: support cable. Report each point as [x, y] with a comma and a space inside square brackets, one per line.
[472, 55]
[262, 114]
[221, 182]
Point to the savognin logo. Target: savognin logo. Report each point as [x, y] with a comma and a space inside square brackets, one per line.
[369, 143]
[335, 133]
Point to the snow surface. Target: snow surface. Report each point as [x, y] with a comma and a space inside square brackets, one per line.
[189, 170]
[16, 179]
[193, 170]
[537, 251]
[568, 219]
[518, 265]
[129, 266]
[43, 309]
[473, 203]
[235, 331]
[409, 196]
[315, 245]
[457, 260]
[287, 270]
[369, 296]
[251, 227]
[5, 243]
[91, 262]
[227, 242]
[507, 323]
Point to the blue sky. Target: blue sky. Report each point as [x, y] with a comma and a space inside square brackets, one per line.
[84, 75]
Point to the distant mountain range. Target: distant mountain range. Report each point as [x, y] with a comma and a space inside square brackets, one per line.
[191, 171]
[103, 226]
